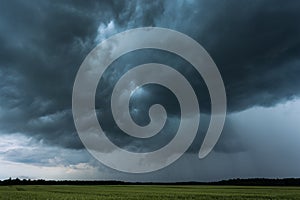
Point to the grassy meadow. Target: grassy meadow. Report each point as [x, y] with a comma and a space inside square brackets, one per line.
[145, 192]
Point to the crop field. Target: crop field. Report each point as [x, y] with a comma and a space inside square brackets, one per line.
[144, 192]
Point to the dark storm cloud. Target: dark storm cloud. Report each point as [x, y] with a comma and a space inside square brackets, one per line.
[255, 44]
[43, 44]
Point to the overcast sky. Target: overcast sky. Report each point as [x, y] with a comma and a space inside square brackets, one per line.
[255, 44]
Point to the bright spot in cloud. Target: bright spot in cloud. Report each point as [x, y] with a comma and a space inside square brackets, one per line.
[105, 30]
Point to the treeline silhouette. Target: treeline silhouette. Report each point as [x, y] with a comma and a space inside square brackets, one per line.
[236, 182]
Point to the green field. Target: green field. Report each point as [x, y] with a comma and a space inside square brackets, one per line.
[141, 192]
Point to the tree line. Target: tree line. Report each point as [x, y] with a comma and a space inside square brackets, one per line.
[236, 182]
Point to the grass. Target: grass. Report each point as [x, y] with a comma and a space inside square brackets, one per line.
[145, 192]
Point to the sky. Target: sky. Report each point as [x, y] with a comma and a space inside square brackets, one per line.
[255, 44]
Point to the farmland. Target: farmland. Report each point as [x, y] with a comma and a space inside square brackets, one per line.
[144, 192]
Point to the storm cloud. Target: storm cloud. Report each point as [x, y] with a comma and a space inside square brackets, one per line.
[255, 44]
